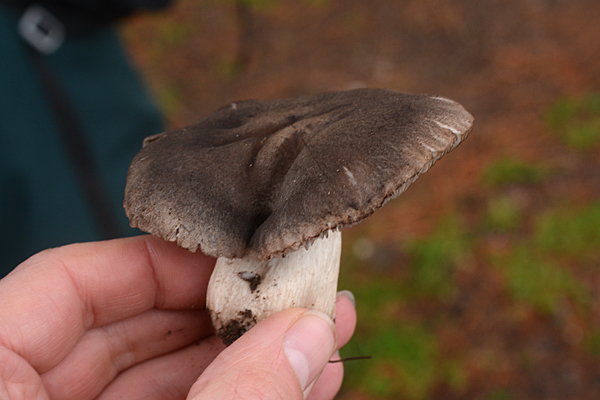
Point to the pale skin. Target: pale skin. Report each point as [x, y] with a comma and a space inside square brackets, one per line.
[125, 319]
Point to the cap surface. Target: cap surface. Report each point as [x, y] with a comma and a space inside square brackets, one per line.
[263, 177]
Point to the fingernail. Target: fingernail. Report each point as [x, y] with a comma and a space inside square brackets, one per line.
[309, 344]
[348, 294]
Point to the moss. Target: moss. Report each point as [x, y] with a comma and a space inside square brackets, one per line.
[533, 279]
[504, 215]
[571, 232]
[404, 363]
[510, 170]
[433, 259]
[576, 121]
[592, 342]
[499, 394]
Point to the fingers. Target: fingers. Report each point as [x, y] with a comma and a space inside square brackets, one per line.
[18, 379]
[280, 358]
[330, 381]
[97, 287]
[120, 278]
[93, 284]
[166, 378]
[169, 376]
[104, 352]
[345, 317]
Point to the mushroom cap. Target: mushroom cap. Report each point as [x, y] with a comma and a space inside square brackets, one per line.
[261, 178]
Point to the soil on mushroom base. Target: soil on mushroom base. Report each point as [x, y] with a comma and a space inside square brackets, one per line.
[237, 327]
[253, 280]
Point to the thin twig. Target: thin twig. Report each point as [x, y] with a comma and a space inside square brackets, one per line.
[351, 359]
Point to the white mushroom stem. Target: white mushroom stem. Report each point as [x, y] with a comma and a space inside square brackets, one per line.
[244, 291]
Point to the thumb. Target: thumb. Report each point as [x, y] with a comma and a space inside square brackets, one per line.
[279, 359]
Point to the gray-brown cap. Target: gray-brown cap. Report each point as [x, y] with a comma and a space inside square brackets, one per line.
[262, 178]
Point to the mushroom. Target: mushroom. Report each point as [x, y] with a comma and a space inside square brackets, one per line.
[266, 187]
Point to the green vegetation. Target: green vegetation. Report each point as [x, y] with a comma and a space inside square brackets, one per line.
[576, 121]
[539, 282]
[433, 259]
[404, 362]
[456, 376]
[228, 69]
[169, 98]
[499, 394]
[407, 361]
[573, 233]
[592, 342]
[507, 171]
[173, 33]
[504, 215]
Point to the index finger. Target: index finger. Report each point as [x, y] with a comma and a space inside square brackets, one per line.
[49, 301]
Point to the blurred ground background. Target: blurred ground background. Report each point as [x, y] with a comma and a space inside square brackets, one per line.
[482, 281]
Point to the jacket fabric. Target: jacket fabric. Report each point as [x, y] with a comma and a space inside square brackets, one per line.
[42, 202]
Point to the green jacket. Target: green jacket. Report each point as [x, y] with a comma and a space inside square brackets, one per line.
[42, 204]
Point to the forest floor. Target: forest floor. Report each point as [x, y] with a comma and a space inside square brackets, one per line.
[482, 281]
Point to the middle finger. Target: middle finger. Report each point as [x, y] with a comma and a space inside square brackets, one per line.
[103, 352]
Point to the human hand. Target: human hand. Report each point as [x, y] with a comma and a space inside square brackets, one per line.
[125, 319]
